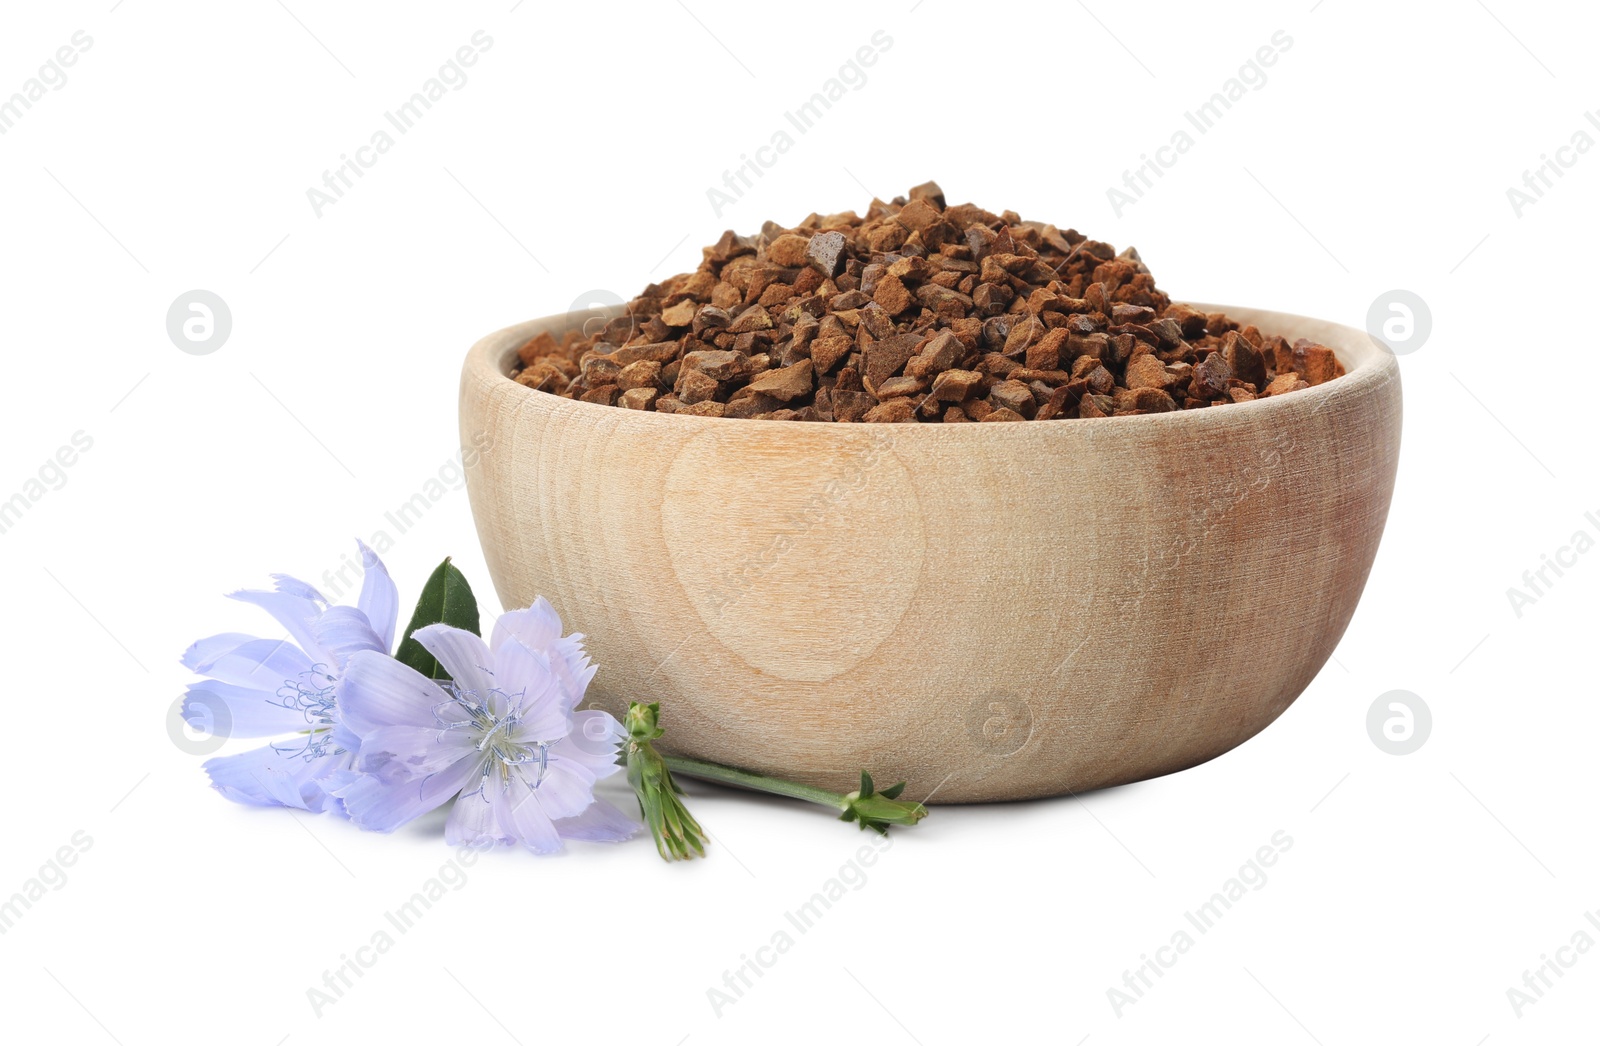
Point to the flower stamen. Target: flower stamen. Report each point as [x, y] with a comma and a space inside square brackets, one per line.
[312, 695]
[473, 711]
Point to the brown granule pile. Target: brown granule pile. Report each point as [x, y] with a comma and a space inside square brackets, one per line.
[918, 312]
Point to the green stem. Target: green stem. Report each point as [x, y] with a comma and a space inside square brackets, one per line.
[745, 779]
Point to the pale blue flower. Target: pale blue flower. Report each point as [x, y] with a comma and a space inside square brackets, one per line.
[503, 738]
[277, 687]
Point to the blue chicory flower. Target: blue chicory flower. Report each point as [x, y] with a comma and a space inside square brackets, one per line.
[272, 687]
[503, 738]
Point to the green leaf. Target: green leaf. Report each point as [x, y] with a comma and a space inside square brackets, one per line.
[447, 599]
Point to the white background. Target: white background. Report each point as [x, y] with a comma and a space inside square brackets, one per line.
[577, 157]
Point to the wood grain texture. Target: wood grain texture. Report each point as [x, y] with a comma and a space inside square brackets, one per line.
[988, 611]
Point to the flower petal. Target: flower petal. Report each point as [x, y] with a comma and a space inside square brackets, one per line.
[565, 789]
[411, 752]
[261, 664]
[335, 782]
[379, 598]
[519, 811]
[524, 676]
[225, 710]
[205, 651]
[537, 627]
[344, 630]
[295, 587]
[601, 823]
[474, 820]
[592, 742]
[462, 654]
[381, 805]
[332, 768]
[376, 691]
[573, 667]
[269, 777]
[296, 613]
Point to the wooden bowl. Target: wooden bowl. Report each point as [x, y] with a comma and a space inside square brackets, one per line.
[989, 611]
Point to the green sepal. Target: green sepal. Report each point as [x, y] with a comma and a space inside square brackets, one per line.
[678, 836]
[879, 810]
